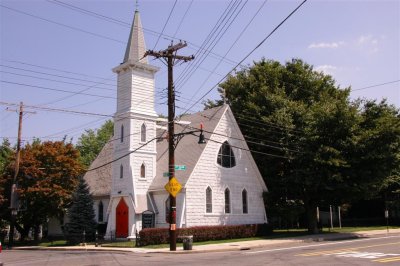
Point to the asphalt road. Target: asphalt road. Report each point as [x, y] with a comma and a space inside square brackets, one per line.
[370, 251]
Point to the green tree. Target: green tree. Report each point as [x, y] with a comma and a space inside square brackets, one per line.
[92, 141]
[81, 215]
[310, 130]
[47, 177]
[6, 153]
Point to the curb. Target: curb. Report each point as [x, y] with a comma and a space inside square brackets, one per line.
[234, 246]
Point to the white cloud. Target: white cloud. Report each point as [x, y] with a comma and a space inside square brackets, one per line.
[368, 42]
[331, 45]
[326, 69]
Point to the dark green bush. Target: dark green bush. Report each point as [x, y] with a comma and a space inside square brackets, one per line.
[154, 236]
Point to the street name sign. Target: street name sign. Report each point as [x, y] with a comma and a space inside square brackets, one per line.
[180, 167]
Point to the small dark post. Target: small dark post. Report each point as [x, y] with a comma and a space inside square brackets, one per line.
[96, 238]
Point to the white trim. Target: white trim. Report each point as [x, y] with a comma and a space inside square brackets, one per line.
[205, 190]
[205, 148]
[183, 213]
[247, 153]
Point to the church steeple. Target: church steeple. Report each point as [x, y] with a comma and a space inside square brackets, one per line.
[136, 45]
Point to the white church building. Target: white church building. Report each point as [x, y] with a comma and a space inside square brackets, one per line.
[221, 184]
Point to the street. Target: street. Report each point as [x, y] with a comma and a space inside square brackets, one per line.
[369, 251]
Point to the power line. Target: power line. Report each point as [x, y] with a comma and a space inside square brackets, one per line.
[112, 161]
[67, 91]
[56, 69]
[255, 48]
[230, 48]
[57, 110]
[126, 24]
[63, 25]
[377, 85]
[253, 151]
[247, 141]
[211, 40]
[183, 18]
[53, 80]
[165, 24]
[59, 76]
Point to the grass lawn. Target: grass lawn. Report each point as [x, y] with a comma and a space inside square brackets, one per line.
[281, 233]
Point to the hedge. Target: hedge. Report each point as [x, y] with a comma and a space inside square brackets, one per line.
[155, 236]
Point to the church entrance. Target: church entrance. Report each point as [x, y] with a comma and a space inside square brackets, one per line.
[122, 218]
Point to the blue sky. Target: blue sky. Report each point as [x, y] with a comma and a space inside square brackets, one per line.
[52, 48]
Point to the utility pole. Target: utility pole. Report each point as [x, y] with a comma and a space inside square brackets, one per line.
[170, 56]
[14, 195]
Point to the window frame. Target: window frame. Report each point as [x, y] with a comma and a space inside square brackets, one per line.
[143, 132]
[226, 157]
[209, 203]
[227, 201]
[122, 134]
[245, 202]
[143, 170]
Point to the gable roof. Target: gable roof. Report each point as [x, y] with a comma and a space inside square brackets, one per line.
[187, 153]
[99, 180]
[188, 150]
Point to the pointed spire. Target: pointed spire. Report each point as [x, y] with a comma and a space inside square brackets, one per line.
[136, 45]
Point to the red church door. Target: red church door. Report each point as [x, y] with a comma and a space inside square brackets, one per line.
[122, 218]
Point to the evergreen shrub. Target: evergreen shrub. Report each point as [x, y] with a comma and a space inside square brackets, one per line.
[155, 236]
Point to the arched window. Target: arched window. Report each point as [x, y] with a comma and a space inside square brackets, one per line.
[143, 171]
[208, 200]
[226, 157]
[167, 210]
[101, 211]
[121, 171]
[122, 133]
[227, 201]
[143, 133]
[244, 201]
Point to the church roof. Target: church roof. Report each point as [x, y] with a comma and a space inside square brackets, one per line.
[99, 180]
[136, 46]
[188, 150]
[187, 153]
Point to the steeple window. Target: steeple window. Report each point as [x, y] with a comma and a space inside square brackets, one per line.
[143, 133]
[142, 171]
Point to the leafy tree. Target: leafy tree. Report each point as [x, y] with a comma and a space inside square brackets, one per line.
[47, 177]
[311, 131]
[6, 153]
[81, 215]
[92, 141]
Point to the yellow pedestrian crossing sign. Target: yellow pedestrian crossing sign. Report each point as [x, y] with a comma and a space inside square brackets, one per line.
[173, 187]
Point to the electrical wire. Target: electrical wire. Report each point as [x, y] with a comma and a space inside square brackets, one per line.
[165, 24]
[210, 40]
[183, 18]
[63, 25]
[123, 156]
[252, 51]
[230, 48]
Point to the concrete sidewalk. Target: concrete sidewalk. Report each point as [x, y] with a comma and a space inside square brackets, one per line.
[233, 246]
